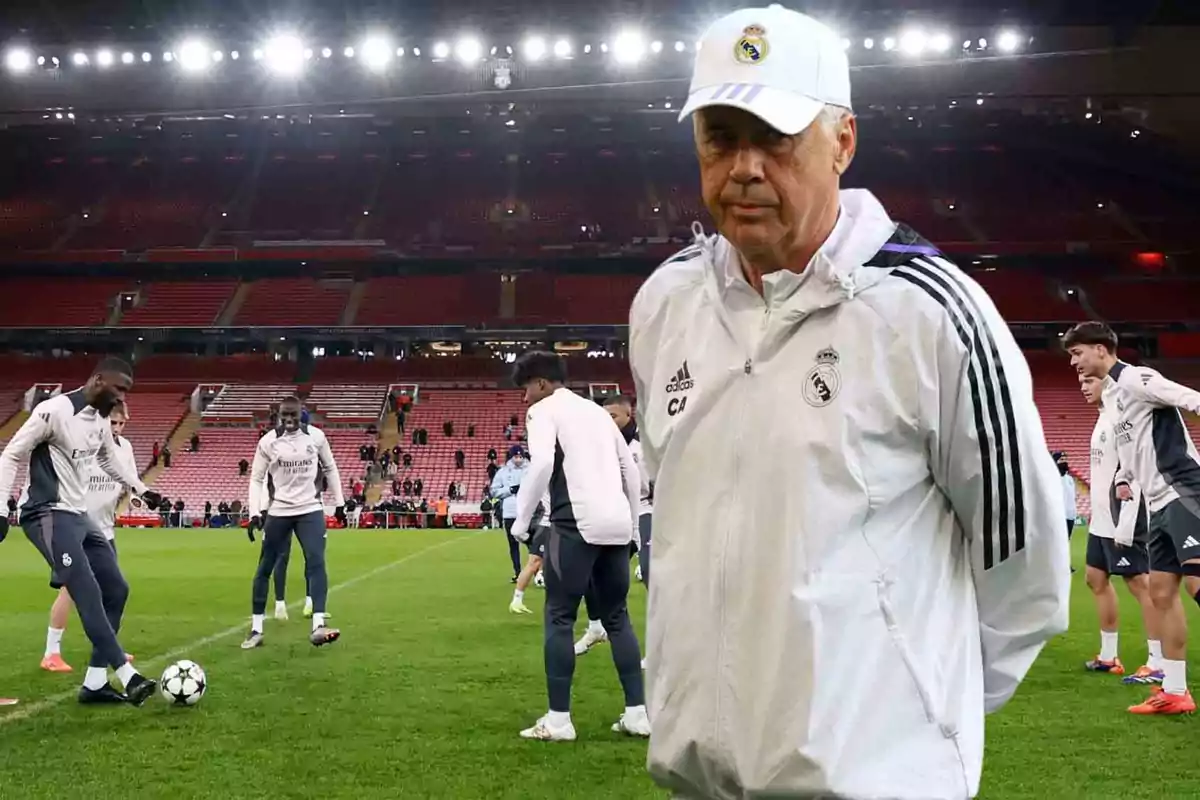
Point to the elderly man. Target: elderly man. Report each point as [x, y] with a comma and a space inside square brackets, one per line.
[882, 559]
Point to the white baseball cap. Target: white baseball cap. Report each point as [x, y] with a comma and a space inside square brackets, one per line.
[778, 64]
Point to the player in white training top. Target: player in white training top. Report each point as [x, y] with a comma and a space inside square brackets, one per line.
[103, 496]
[301, 466]
[537, 554]
[1116, 546]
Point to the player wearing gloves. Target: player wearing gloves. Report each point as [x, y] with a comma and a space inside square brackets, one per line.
[504, 488]
[103, 496]
[1117, 547]
[581, 459]
[64, 439]
[298, 459]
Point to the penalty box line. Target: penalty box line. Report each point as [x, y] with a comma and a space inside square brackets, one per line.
[33, 709]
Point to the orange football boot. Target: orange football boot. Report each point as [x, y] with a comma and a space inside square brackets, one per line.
[55, 663]
[1160, 702]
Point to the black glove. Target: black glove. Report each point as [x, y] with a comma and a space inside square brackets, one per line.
[255, 524]
[152, 499]
[339, 514]
[515, 489]
[3, 528]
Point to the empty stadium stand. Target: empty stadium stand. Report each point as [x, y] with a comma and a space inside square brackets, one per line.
[244, 404]
[293, 301]
[344, 404]
[56, 302]
[179, 303]
[153, 417]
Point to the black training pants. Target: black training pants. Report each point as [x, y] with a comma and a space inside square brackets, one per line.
[570, 566]
[84, 561]
[277, 533]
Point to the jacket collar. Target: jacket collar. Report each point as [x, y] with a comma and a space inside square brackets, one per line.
[835, 273]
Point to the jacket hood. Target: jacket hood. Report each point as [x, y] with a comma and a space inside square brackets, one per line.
[841, 268]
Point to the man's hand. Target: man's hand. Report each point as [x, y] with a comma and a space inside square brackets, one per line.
[3, 528]
[255, 524]
[339, 514]
[152, 499]
[521, 536]
[1124, 492]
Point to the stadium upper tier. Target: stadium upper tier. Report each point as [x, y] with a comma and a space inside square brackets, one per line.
[527, 298]
[504, 182]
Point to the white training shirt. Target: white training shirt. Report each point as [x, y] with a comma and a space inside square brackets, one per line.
[63, 439]
[1111, 518]
[645, 504]
[577, 454]
[104, 493]
[296, 462]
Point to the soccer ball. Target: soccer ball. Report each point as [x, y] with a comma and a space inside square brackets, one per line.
[539, 580]
[183, 683]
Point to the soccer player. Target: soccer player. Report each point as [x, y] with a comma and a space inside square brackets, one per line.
[537, 555]
[1155, 450]
[1116, 546]
[64, 437]
[620, 408]
[582, 460]
[103, 496]
[299, 461]
[280, 573]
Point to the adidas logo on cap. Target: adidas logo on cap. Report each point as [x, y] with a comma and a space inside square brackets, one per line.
[682, 380]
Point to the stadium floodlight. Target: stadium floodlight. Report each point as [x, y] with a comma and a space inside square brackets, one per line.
[168, 57]
[940, 42]
[587, 48]
[376, 52]
[193, 55]
[889, 43]
[562, 48]
[913, 42]
[656, 47]
[257, 54]
[535, 48]
[284, 54]
[105, 58]
[869, 43]
[679, 47]
[126, 57]
[846, 44]
[441, 50]
[41, 62]
[1009, 41]
[234, 55]
[417, 52]
[147, 58]
[79, 59]
[326, 52]
[18, 60]
[983, 43]
[308, 54]
[468, 50]
[628, 47]
[218, 56]
[348, 52]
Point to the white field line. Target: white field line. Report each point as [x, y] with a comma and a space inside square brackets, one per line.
[25, 712]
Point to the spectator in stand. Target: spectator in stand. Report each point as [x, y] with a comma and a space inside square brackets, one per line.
[155, 453]
[400, 423]
[359, 488]
[407, 460]
[164, 511]
[471, 431]
[508, 431]
[243, 468]
[513, 421]
[363, 453]
[460, 491]
[460, 459]
[448, 428]
[166, 456]
[385, 461]
[408, 487]
[396, 487]
[207, 513]
[418, 486]
[195, 442]
[177, 514]
[424, 436]
[396, 451]
[416, 436]
[372, 452]
[492, 455]
[450, 491]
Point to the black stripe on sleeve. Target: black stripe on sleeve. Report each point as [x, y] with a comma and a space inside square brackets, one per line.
[999, 447]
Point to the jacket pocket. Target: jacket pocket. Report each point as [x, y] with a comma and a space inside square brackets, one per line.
[920, 683]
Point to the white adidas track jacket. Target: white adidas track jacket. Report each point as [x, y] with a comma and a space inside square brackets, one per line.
[880, 557]
[1112, 518]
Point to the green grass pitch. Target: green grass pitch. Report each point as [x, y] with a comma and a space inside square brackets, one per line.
[425, 693]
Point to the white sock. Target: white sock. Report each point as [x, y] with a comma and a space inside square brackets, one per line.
[1174, 676]
[1108, 645]
[125, 673]
[95, 678]
[1154, 646]
[595, 627]
[280, 604]
[256, 622]
[54, 641]
[558, 719]
[308, 601]
[318, 621]
[518, 595]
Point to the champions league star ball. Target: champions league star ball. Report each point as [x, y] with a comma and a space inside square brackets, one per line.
[183, 683]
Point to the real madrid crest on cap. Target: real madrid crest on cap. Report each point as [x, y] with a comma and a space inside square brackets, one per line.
[824, 381]
[752, 46]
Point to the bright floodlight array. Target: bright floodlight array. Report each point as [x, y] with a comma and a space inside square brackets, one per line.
[286, 54]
